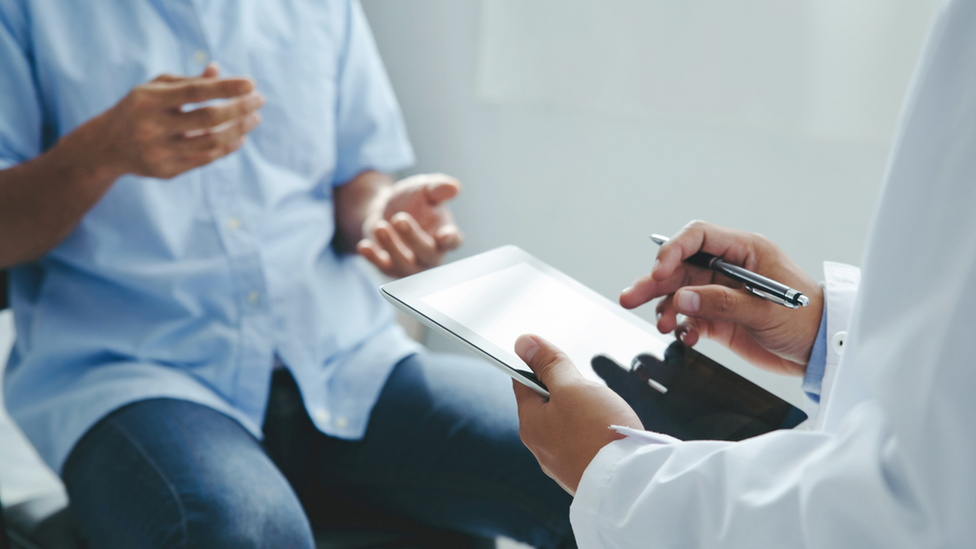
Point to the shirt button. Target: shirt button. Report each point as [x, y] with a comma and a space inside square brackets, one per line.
[253, 297]
[321, 416]
[837, 343]
[200, 57]
[341, 423]
[234, 223]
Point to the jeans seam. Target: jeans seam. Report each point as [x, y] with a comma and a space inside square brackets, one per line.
[152, 463]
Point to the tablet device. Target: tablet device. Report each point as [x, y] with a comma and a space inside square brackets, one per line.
[487, 301]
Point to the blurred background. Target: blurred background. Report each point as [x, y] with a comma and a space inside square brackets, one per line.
[580, 127]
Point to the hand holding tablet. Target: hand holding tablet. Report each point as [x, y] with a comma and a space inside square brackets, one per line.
[487, 301]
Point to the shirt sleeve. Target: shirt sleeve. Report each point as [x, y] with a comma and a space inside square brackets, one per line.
[20, 111]
[813, 379]
[370, 132]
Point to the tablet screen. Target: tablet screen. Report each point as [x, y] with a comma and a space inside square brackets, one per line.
[521, 299]
[489, 300]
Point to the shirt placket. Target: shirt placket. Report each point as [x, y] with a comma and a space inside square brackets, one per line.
[184, 18]
[224, 186]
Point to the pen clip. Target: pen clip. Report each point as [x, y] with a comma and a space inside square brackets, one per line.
[771, 297]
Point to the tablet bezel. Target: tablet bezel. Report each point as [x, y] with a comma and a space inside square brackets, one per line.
[407, 294]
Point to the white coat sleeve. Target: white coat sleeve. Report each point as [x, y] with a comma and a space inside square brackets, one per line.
[785, 489]
[614, 498]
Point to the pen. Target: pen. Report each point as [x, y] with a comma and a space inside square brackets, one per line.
[763, 287]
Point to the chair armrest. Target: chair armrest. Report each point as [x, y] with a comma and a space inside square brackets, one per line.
[43, 523]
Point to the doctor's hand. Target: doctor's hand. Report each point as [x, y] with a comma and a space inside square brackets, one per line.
[764, 333]
[149, 133]
[566, 431]
[409, 227]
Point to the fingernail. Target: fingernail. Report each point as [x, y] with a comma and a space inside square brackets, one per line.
[526, 347]
[626, 290]
[657, 263]
[689, 302]
[660, 315]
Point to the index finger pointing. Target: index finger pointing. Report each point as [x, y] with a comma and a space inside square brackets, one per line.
[647, 287]
[205, 89]
[697, 236]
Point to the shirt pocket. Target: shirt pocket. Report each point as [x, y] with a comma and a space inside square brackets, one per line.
[297, 129]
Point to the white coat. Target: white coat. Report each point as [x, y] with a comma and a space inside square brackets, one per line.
[893, 461]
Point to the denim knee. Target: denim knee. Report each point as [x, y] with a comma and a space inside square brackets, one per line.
[174, 474]
[254, 517]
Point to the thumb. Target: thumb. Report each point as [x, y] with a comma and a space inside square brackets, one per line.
[550, 364]
[441, 188]
[716, 302]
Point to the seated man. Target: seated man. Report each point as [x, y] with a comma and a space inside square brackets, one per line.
[181, 256]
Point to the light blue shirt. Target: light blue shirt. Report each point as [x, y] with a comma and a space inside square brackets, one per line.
[817, 366]
[188, 288]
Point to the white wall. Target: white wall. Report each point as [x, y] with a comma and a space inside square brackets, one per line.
[580, 178]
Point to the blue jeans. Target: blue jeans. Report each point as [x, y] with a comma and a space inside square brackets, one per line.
[441, 449]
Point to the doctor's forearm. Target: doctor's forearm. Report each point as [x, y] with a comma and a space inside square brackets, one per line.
[44, 199]
[783, 489]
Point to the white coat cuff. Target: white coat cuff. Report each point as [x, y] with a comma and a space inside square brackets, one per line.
[647, 437]
[840, 291]
[585, 513]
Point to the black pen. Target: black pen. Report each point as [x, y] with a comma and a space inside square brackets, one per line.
[763, 287]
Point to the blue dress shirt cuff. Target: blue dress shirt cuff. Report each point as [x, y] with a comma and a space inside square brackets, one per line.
[813, 380]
